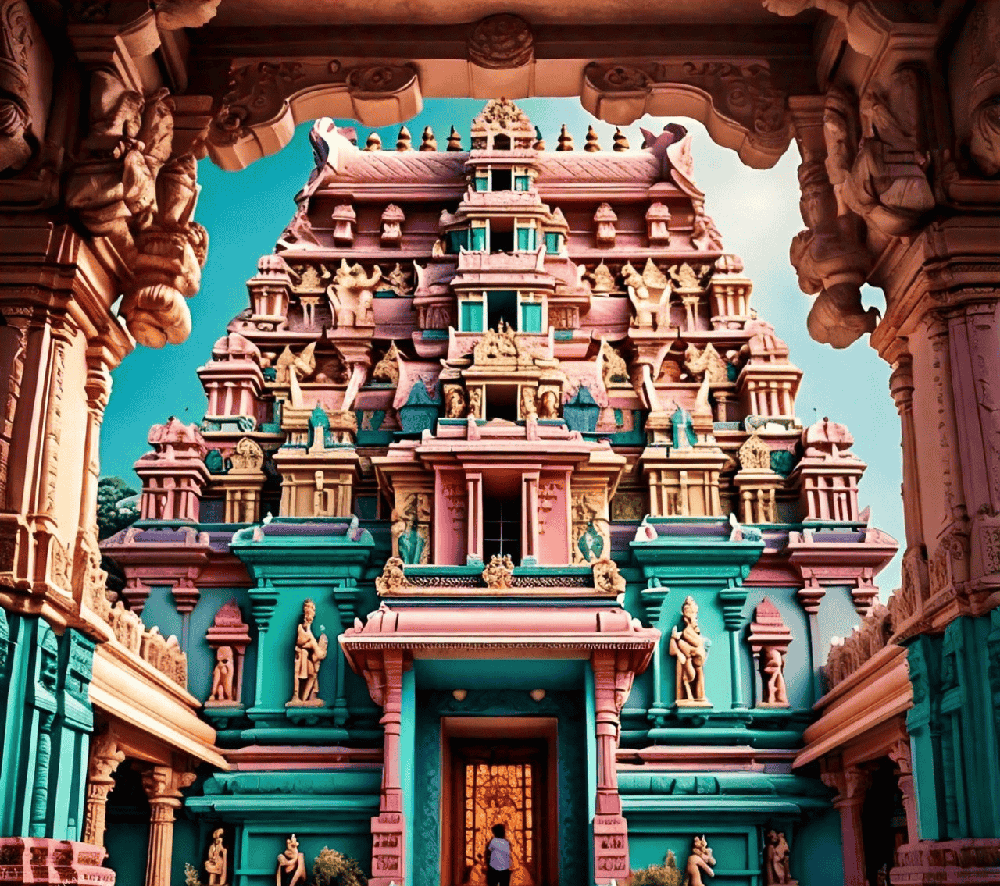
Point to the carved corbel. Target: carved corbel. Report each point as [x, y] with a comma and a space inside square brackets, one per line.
[105, 757]
[974, 80]
[22, 53]
[738, 100]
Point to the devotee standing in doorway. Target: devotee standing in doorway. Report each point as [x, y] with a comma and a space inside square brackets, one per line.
[498, 858]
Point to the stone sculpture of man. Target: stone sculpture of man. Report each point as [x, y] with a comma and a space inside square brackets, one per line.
[776, 860]
[772, 669]
[217, 864]
[309, 654]
[222, 675]
[699, 862]
[691, 651]
[291, 865]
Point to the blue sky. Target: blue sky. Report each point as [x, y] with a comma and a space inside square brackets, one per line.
[756, 211]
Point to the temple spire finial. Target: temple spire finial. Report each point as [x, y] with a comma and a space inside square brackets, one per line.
[592, 143]
[454, 140]
[565, 140]
[403, 141]
[427, 141]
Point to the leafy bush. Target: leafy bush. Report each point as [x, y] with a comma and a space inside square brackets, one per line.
[333, 869]
[665, 874]
[116, 507]
[191, 875]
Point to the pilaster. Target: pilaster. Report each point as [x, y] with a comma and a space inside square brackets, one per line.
[163, 785]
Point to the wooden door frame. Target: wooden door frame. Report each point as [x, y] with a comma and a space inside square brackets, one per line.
[491, 728]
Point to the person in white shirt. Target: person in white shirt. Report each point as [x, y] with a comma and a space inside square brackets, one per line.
[498, 858]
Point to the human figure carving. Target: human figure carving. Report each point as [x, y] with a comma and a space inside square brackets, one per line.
[699, 862]
[772, 669]
[528, 408]
[291, 865]
[223, 675]
[309, 655]
[777, 870]
[691, 651]
[649, 295]
[454, 402]
[548, 404]
[217, 864]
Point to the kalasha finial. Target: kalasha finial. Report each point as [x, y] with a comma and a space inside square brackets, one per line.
[565, 140]
[621, 142]
[427, 141]
[454, 140]
[404, 142]
[539, 144]
[592, 143]
[374, 142]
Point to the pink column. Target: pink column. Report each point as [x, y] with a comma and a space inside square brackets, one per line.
[474, 516]
[851, 784]
[611, 859]
[388, 827]
[899, 753]
[163, 788]
[529, 515]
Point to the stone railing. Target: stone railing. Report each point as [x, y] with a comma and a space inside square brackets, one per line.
[163, 653]
[850, 653]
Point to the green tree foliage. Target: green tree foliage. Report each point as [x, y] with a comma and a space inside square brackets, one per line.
[665, 874]
[333, 869]
[113, 513]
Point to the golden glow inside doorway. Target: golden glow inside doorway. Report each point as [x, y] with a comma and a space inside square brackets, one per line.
[500, 794]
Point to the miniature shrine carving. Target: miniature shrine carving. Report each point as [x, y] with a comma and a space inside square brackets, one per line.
[700, 861]
[708, 361]
[217, 863]
[603, 281]
[291, 869]
[755, 454]
[605, 219]
[392, 225]
[248, 457]
[649, 294]
[387, 369]
[777, 856]
[691, 651]
[499, 572]
[614, 369]
[309, 655]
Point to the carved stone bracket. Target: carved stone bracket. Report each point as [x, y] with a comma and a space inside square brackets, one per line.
[265, 100]
[737, 100]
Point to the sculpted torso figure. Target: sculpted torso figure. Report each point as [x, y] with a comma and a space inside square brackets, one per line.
[691, 651]
[291, 865]
[217, 865]
[309, 654]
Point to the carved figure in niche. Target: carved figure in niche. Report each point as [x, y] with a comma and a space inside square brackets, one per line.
[700, 861]
[614, 369]
[352, 293]
[438, 250]
[772, 672]
[777, 871]
[691, 651]
[603, 279]
[223, 675]
[387, 369]
[454, 402]
[413, 538]
[303, 364]
[247, 458]
[709, 361]
[688, 279]
[217, 863]
[291, 865]
[392, 225]
[607, 578]
[498, 344]
[548, 404]
[398, 525]
[591, 538]
[528, 408]
[399, 281]
[309, 655]
[649, 294]
[499, 573]
[476, 403]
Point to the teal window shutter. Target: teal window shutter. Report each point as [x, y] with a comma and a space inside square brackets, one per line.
[478, 239]
[522, 182]
[471, 319]
[524, 238]
[553, 242]
[531, 317]
[482, 182]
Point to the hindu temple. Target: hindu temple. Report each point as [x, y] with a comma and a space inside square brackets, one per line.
[499, 512]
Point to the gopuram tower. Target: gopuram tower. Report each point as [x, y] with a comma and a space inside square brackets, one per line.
[499, 513]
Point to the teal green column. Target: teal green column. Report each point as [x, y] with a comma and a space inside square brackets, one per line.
[922, 656]
[590, 727]
[731, 601]
[407, 764]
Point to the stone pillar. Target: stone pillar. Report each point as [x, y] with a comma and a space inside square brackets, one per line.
[104, 759]
[529, 518]
[611, 858]
[163, 785]
[810, 598]
[473, 518]
[900, 755]
[851, 785]
[389, 826]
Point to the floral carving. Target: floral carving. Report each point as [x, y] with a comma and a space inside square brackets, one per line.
[617, 78]
[380, 79]
[258, 91]
[392, 580]
[501, 42]
[15, 117]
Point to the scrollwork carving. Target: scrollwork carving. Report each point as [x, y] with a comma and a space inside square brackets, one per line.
[380, 79]
[15, 114]
[256, 93]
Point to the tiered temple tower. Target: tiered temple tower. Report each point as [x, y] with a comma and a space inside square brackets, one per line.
[500, 512]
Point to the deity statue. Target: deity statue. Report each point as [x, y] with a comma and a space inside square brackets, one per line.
[499, 572]
[691, 651]
[223, 675]
[776, 860]
[649, 294]
[476, 403]
[772, 672]
[291, 865]
[528, 408]
[548, 404]
[217, 864]
[309, 655]
[699, 861]
[454, 402]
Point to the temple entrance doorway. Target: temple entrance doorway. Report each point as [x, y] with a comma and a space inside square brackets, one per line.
[499, 773]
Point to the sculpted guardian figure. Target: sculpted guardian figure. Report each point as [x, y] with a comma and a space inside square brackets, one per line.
[309, 655]
[691, 652]
[291, 865]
